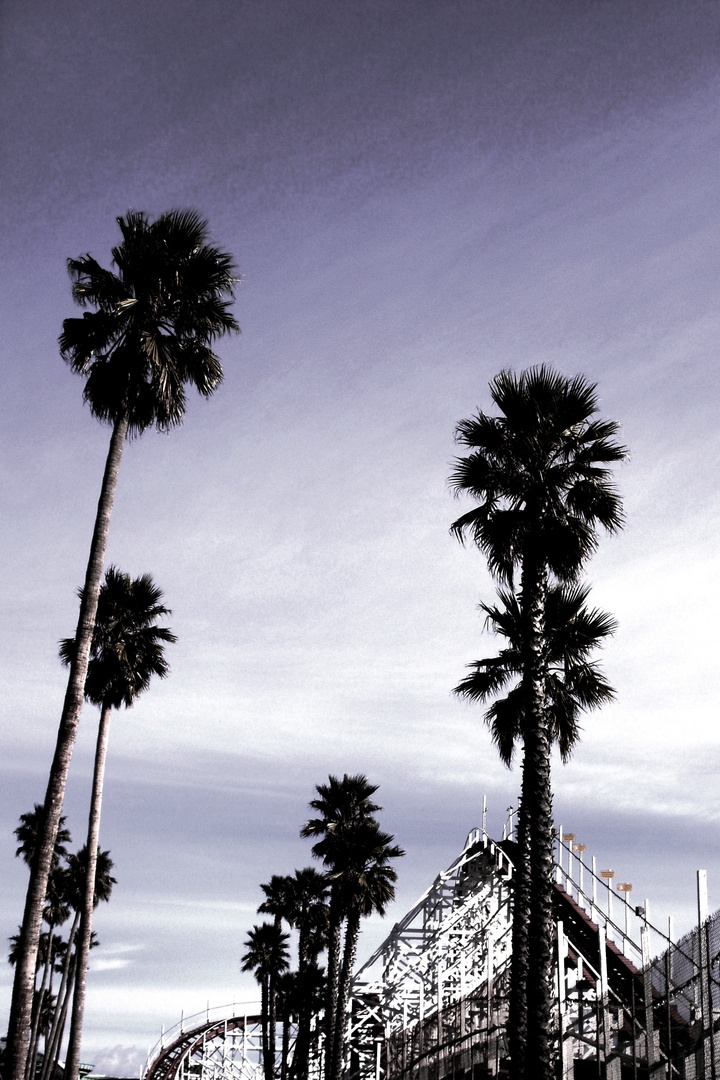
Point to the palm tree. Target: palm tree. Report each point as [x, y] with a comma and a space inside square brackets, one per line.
[353, 850]
[309, 916]
[266, 955]
[55, 912]
[367, 882]
[76, 885]
[27, 834]
[539, 472]
[125, 652]
[574, 683]
[301, 901]
[279, 899]
[288, 998]
[341, 804]
[149, 334]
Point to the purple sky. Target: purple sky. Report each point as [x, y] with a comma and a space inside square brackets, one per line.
[417, 194]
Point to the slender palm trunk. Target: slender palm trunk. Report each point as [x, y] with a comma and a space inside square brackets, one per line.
[538, 809]
[352, 930]
[302, 1039]
[63, 1018]
[83, 946]
[285, 1058]
[265, 1025]
[333, 978]
[38, 996]
[19, 1022]
[518, 1006]
[272, 1021]
[51, 1043]
[38, 1002]
[540, 984]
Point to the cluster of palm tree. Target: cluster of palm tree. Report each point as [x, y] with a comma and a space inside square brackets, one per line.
[539, 472]
[325, 908]
[58, 964]
[147, 332]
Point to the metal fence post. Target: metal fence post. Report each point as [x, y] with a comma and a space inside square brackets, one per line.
[704, 963]
[647, 994]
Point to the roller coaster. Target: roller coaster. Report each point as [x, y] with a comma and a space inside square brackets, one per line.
[431, 1002]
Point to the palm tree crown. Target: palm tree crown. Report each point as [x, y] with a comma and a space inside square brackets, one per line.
[127, 647]
[539, 473]
[266, 951]
[574, 683]
[154, 319]
[341, 804]
[27, 836]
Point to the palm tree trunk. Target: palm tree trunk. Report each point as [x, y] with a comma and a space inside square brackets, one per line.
[38, 1006]
[265, 1024]
[352, 930]
[272, 1012]
[302, 1039]
[540, 985]
[538, 810]
[285, 1058]
[52, 1041]
[38, 994]
[63, 1018]
[333, 978]
[518, 1006]
[83, 946]
[19, 1021]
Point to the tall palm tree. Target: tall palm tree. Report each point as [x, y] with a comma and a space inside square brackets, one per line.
[367, 883]
[301, 901]
[355, 853]
[76, 880]
[148, 333]
[266, 955]
[574, 684]
[341, 804]
[288, 998]
[54, 913]
[310, 917]
[125, 652]
[539, 473]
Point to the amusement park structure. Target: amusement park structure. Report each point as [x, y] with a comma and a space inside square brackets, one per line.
[431, 1002]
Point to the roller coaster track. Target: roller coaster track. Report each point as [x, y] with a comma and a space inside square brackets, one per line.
[228, 1048]
[431, 1003]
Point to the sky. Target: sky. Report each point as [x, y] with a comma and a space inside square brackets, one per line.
[417, 195]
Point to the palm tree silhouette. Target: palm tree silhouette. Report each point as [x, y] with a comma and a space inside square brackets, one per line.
[309, 915]
[355, 852]
[539, 473]
[367, 884]
[266, 955]
[574, 683]
[76, 880]
[149, 333]
[125, 652]
[279, 899]
[301, 901]
[55, 912]
[27, 836]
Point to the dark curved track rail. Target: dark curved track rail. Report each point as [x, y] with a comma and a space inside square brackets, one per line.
[165, 1065]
